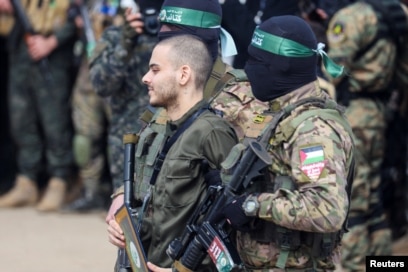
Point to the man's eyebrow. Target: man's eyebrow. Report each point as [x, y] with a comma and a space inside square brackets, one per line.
[153, 65]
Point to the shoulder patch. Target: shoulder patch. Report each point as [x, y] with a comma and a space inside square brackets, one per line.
[338, 28]
[312, 161]
[336, 33]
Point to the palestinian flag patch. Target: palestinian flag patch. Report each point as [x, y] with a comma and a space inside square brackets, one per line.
[312, 161]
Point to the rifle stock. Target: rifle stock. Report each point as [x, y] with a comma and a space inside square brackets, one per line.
[205, 232]
[25, 23]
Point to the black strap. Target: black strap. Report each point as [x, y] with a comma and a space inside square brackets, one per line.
[170, 141]
[350, 178]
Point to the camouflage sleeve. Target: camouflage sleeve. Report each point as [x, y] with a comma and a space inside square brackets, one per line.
[107, 69]
[317, 159]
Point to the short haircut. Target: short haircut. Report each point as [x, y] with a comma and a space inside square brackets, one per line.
[190, 50]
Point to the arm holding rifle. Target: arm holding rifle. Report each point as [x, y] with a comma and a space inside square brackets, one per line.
[206, 231]
[124, 195]
[40, 46]
[115, 232]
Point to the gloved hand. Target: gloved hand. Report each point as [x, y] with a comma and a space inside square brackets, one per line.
[213, 177]
[235, 214]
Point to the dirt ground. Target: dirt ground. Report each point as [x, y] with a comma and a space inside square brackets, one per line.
[35, 242]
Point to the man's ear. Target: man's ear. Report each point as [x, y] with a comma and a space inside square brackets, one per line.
[185, 74]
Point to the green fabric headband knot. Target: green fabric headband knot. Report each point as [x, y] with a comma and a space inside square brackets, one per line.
[288, 48]
[189, 17]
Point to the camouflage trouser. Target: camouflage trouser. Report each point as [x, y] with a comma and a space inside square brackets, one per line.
[40, 115]
[369, 234]
[90, 116]
[359, 243]
[263, 257]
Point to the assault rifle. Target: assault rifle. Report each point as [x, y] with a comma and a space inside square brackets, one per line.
[133, 257]
[28, 29]
[205, 232]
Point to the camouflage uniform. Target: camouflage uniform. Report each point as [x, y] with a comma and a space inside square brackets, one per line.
[238, 105]
[90, 114]
[40, 110]
[316, 186]
[119, 82]
[351, 29]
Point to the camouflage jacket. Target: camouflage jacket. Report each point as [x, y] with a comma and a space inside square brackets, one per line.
[120, 81]
[239, 107]
[352, 29]
[316, 155]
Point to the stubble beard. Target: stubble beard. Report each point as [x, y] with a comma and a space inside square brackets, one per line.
[166, 97]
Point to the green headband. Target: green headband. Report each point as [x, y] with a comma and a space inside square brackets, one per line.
[189, 17]
[288, 48]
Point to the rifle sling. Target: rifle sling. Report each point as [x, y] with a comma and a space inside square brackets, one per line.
[170, 141]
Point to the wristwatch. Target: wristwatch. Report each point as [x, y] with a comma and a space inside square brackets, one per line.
[251, 205]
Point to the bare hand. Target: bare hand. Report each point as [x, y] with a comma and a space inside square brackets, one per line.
[5, 6]
[134, 20]
[40, 47]
[117, 202]
[155, 268]
[115, 233]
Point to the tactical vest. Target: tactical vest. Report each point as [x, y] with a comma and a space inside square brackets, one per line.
[151, 141]
[278, 177]
[6, 23]
[46, 16]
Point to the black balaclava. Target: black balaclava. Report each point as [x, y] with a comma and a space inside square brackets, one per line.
[179, 12]
[275, 74]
